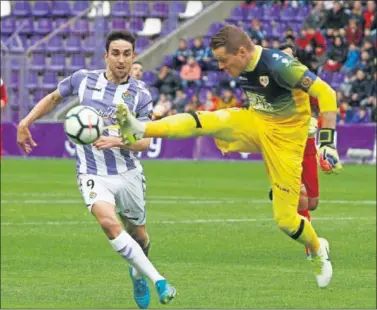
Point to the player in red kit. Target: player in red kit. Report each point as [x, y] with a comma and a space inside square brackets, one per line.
[4, 101]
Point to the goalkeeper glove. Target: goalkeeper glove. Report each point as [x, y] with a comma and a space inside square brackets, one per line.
[328, 155]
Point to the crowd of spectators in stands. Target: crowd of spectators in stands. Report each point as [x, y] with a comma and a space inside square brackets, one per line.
[338, 38]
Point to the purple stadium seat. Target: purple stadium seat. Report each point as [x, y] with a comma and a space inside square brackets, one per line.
[89, 44]
[135, 25]
[141, 44]
[101, 24]
[15, 79]
[32, 80]
[54, 44]
[37, 62]
[150, 77]
[49, 81]
[81, 27]
[289, 13]
[302, 14]
[160, 9]
[21, 8]
[41, 8]
[238, 13]
[254, 12]
[140, 9]
[57, 62]
[190, 42]
[8, 25]
[271, 12]
[41, 48]
[176, 7]
[66, 30]
[154, 93]
[214, 28]
[43, 26]
[77, 62]
[337, 79]
[39, 95]
[213, 78]
[238, 92]
[16, 45]
[28, 25]
[168, 60]
[203, 94]
[61, 8]
[79, 6]
[73, 44]
[326, 76]
[121, 9]
[118, 23]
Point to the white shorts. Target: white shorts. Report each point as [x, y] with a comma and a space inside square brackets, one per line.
[125, 191]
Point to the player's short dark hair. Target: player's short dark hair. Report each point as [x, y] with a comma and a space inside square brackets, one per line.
[289, 45]
[232, 38]
[137, 63]
[120, 35]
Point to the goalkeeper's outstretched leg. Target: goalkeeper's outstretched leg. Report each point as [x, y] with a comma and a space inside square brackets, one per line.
[217, 124]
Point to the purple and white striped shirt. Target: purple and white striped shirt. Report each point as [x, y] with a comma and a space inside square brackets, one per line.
[93, 89]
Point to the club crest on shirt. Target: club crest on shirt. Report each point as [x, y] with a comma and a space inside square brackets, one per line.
[92, 195]
[264, 80]
[127, 97]
[306, 82]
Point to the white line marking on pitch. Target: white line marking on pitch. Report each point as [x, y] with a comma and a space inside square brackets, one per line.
[174, 200]
[194, 221]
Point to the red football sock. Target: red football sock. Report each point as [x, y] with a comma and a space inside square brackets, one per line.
[305, 213]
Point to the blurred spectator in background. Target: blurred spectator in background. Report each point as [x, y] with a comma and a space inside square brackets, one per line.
[369, 14]
[3, 95]
[4, 101]
[336, 55]
[359, 87]
[193, 105]
[275, 43]
[227, 100]
[255, 30]
[137, 70]
[245, 103]
[168, 81]
[353, 58]
[361, 115]
[366, 64]
[199, 51]
[370, 100]
[357, 12]
[354, 33]
[203, 55]
[179, 102]
[336, 20]
[191, 73]
[210, 103]
[162, 107]
[317, 16]
[181, 55]
[308, 58]
[313, 37]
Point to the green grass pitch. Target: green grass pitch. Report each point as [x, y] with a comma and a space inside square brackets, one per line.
[212, 236]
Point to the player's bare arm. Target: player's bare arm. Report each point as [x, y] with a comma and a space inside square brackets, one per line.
[48, 103]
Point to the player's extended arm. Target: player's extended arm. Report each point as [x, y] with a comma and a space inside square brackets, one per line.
[43, 107]
[24, 138]
[328, 155]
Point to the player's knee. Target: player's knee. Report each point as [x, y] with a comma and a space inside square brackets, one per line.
[110, 226]
[313, 203]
